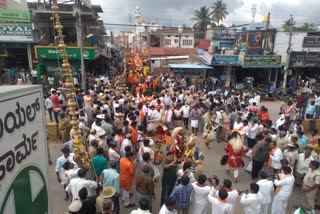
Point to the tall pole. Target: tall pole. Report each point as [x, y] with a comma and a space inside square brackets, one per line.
[29, 56]
[266, 34]
[80, 44]
[290, 23]
[75, 133]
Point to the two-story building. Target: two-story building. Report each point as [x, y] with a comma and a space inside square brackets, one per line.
[82, 28]
[176, 37]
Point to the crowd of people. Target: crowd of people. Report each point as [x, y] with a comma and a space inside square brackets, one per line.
[122, 126]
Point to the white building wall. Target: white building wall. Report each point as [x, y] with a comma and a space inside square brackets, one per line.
[281, 44]
[172, 41]
[187, 41]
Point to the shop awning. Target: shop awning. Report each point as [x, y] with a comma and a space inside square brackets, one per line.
[189, 66]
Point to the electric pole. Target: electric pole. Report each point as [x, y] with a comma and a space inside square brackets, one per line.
[289, 23]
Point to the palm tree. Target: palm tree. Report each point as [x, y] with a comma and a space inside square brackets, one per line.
[202, 18]
[219, 11]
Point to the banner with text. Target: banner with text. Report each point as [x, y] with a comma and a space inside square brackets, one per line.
[262, 61]
[48, 52]
[23, 151]
[16, 32]
[14, 11]
[304, 59]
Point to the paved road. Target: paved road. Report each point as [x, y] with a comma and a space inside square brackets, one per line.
[211, 166]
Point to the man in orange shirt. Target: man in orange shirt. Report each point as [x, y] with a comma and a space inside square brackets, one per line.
[127, 171]
[134, 133]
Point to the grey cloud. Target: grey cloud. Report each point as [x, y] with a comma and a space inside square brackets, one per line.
[178, 12]
[307, 11]
[165, 12]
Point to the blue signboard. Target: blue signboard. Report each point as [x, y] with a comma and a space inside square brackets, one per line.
[225, 60]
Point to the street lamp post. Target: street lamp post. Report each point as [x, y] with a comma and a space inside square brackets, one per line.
[180, 30]
[290, 23]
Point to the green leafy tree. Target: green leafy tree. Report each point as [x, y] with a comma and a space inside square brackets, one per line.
[202, 19]
[306, 27]
[219, 11]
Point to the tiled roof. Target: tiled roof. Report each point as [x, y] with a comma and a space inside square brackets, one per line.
[171, 51]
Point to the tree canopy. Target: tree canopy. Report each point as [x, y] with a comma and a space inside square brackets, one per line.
[202, 18]
[219, 11]
[306, 27]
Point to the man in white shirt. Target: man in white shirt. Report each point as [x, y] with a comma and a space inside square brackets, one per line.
[232, 193]
[253, 131]
[238, 125]
[302, 166]
[219, 128]
[181, 97]
[126, 142]
[168, 114]
[169, 207]
[251, 202]
[220, 204]
[49, 107]
[265, 189]
[78, 183]
[60, 172]
[167, 99]
[113, 153]
[144, 207]
[201, 192]
[186, 114]
[275, 157]
[283, 192]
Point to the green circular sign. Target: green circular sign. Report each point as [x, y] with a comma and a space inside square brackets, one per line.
[27, 194]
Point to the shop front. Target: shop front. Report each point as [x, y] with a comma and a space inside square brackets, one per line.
[265, 70]
[15, 51]
[50, 60]
[224, 67]
[305, 66]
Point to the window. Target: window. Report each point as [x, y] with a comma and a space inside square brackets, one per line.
[167, 41]
[176, 41]
[187, 42]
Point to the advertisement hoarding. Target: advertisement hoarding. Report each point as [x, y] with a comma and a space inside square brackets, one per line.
[52, 52]
[16, 32]
[225, 60]
[23, 151]
[262, 61]
[304, 59]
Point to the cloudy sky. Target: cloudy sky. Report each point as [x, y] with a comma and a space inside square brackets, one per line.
[178, 12]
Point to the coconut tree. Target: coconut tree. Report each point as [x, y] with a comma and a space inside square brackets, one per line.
[219, 11]
[202, 18]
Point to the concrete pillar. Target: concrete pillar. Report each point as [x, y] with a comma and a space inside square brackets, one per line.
[29, 53]
[228, 76]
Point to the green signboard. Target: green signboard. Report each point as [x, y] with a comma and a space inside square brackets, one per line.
[11, 15]
[16, 32]
[47, 52]
[262, 61]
